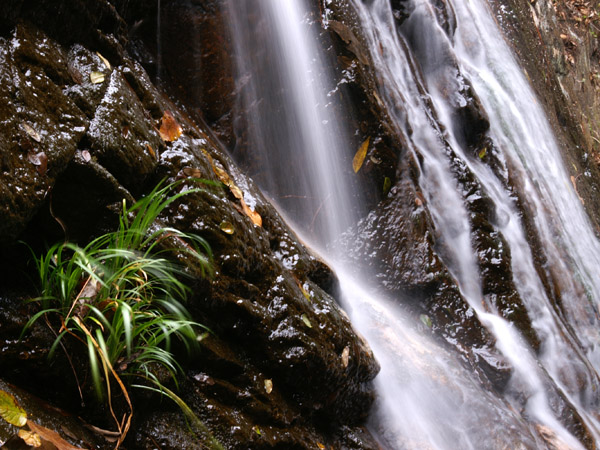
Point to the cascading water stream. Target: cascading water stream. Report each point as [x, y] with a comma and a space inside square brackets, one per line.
[402, 86]
[427, 399]
[524, 140]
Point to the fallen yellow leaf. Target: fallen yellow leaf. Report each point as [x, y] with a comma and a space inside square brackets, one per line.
[11, 411]
[360, 155]
[96, 77]
[227, 227]
[306, 321]
[31, 132]
[269, 386]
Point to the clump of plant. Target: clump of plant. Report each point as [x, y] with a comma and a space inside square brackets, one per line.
[121, 297]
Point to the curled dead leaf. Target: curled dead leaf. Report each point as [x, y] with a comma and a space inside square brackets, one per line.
[169, 130]
[360, 155]
[224, 178]
[236, 191]
[219, 172]
[75, 74]
[419, 198]
[104, 60]
[574, 182]
[222, 175]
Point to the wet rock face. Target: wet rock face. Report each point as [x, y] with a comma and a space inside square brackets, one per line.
[566, 74]
[283, 367]
[40, 127]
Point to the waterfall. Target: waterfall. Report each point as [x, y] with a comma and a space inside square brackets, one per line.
[427, 399]
[283, 89]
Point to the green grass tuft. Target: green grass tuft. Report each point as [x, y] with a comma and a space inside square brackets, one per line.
[122, 294]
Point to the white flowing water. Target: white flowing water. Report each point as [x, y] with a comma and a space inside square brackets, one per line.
[426, 398]
[524, 140]
[283, 89]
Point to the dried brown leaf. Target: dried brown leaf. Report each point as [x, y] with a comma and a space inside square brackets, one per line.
[224, 178]
[254, 216]
[32, 439]
[51, 436]
[192, 172]
[151, 150]
[574, 182]
[169, 130]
